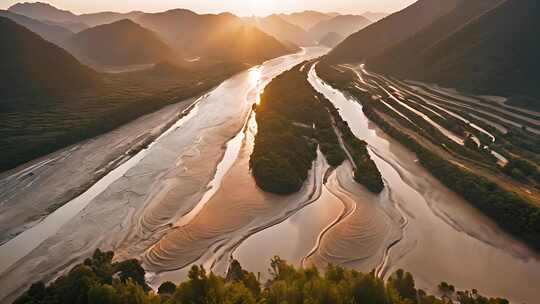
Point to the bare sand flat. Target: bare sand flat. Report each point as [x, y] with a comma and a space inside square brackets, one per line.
[31, 191]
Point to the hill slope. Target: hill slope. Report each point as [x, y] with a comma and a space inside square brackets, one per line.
[222, 37]
[331, 39]
[45, 11]
[496, 53]
[42, 11]
[95, 19]
[404, 57]
[306, 19]
[120, 43]
[375, 16]
[53, 33]
[73, 26]
[388, 32]
[27, 61]
[344, 25]
[282, 30]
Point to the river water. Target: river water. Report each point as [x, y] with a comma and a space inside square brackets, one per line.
[139, 204]
[190, 198]
[444, 238]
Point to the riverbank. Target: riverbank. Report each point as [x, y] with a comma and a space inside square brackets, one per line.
[459, 240]
[32, 191]
[133, 212]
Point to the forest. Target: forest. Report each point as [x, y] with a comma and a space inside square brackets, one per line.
[47, 123]
[293, 120]
[99, 280]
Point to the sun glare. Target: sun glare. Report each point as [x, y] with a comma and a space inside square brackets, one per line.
[255, 75]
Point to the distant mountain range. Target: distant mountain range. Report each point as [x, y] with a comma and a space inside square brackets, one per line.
[306, 19]
[284, 31]
[45, 11]
[331, 39]
[309, 27]
[222, 37]
[191, 34]
[481, 46]
[42, 11]
[119, 43]
[343, 25]
[32, 65]
[53, 33]
[73, 26]
[217, 37]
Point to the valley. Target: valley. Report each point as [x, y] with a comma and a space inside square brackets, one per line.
[184, 155]
[223, 213]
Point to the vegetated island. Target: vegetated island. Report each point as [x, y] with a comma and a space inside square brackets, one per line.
[98, 280]
[293, 120]
[511, 212]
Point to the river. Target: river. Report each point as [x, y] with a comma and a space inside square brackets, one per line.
[134, 209]
[190, 198]
[444, 237]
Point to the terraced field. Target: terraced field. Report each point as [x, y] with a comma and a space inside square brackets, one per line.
[479, 133]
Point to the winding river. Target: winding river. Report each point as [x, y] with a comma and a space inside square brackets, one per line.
[189, 198]
[444, 238]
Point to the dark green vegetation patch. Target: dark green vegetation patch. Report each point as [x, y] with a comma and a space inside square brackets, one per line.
[293, 119]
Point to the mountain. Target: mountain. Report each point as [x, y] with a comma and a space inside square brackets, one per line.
[344, 25]
[32, 65]
[222, 37]
[52, 33]
[403, 59]
[331, 39]
[388, 32]
[120, 43]
[44, 11]
[374, 17]
[73, 26]
[282, 30]
[95, 19]
[494, 53]
[306, 19]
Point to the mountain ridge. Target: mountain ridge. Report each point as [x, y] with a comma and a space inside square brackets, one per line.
[306, 19]
[52, 33]
[344, 25]
[26, 71]
[44, 11]
[390, 31]
[279, 28]
[494, 53]
[123, 42]
[214, 36]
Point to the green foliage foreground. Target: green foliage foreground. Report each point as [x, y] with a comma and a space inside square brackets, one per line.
[100, 281]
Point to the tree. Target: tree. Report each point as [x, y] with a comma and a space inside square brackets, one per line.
[132, 269]
[403, 283]
[446, 289]
[103, 294]
[167, 288]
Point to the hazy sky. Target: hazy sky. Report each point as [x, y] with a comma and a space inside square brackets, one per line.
[239, 7]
